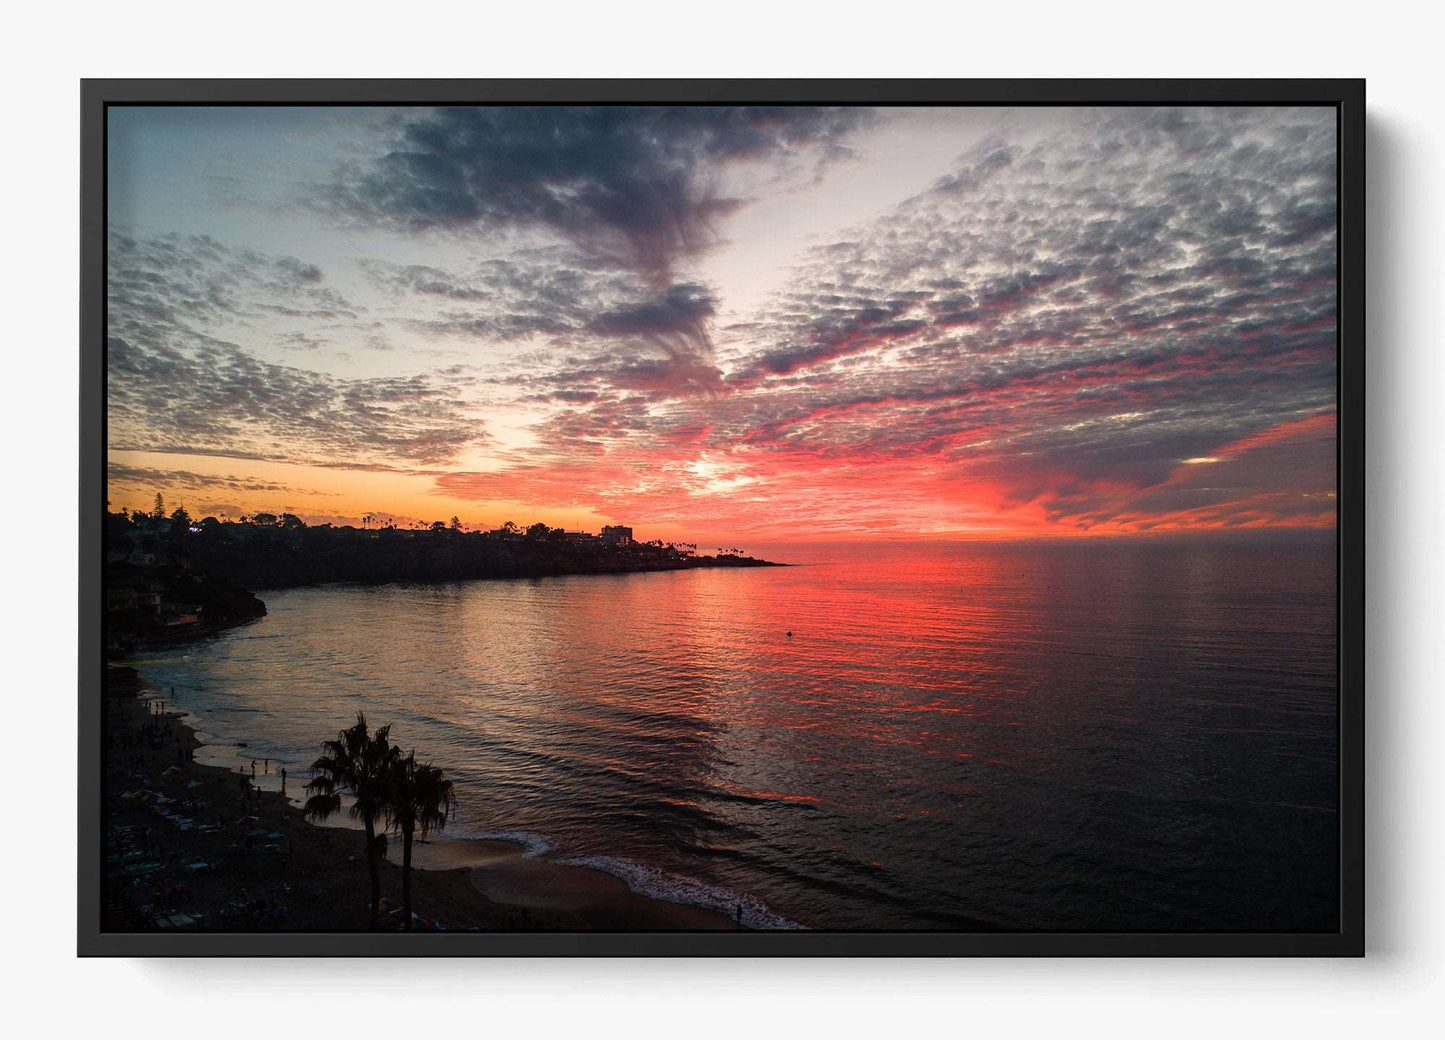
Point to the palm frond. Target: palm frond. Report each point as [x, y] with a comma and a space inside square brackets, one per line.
[420, 798]
[321, 806]
[435, 799]
[357, 763]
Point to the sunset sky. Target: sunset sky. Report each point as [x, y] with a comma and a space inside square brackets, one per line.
[727, 323]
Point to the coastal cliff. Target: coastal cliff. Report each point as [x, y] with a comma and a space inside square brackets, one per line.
[262, 558]
[171, 578]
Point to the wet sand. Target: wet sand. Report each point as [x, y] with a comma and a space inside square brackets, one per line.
[197, 847]
[501, 872]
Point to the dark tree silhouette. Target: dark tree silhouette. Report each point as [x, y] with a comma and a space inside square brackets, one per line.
[419, 800]
[358, 763]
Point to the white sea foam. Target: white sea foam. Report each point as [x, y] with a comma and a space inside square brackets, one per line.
[674, 888]
[533, 845]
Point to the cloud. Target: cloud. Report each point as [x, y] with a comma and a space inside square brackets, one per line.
[604, 330]
[676, 319]
[642, 186]
[1039, 339]
[222, 401]
[1281, 475]
[191, 282]
[170, 481]
[1052, 336]
[220, 509]
[301, 341]
[174, 381]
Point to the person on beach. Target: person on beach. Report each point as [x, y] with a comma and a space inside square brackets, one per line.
[266, 766]
[740, 906]
[283, 779]
[253, 767]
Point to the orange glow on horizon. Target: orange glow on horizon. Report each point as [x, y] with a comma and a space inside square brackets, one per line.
[769, 496]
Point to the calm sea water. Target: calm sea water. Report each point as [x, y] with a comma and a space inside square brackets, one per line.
[1085, 735]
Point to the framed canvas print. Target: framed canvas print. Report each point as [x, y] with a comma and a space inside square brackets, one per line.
[742, 518]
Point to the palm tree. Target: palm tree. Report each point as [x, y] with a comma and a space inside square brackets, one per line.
[419, 801]
[358, 763]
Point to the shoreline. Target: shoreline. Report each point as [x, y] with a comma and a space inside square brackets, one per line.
[537, 576]
[192, 845]
[268, 557]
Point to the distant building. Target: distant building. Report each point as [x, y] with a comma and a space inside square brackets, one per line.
[579, 536]
[617, 535]
[183, 616]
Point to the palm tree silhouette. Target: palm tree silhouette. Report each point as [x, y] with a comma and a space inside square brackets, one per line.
[358, 763]
[419, 800]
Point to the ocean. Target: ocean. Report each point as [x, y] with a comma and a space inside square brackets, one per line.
[1082, 734]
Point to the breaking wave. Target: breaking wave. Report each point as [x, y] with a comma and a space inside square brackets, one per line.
[533, 845]
[675, 888]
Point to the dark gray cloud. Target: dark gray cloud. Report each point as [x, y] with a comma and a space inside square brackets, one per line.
[159, 284]
[656, 340]
[531, 293]
[170, 481]
[176, 382]
[220, 399]
[643, 186]
[676, 320]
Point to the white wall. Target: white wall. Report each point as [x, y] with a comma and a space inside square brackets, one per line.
[48, 49]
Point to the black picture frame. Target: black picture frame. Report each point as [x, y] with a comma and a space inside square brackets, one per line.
[1346, 96]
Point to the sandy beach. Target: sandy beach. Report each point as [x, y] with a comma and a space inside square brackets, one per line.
[196, 847]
